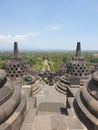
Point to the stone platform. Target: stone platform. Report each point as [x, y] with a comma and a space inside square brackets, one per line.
[49, 101]
[47, 110]
[51, 114]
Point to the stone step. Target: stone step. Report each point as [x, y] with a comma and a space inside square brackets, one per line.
[36, 88]
[61, 91]
[36, 91]
[62, 87]
[62, 84]
[65, 80]
[30, 114]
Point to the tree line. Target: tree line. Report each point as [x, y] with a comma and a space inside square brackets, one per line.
[55, 59]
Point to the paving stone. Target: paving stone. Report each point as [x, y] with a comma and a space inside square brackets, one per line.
[74, 124]
[58, 122]
[49, 123]
[49, 100]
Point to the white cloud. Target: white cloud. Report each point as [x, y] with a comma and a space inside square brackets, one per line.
[55, 28]
[18, 37]
[5, 37]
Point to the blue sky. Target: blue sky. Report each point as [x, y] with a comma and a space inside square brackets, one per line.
[49, 24]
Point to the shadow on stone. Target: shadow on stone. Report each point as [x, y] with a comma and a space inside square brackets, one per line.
[63, 110]
[52, 107]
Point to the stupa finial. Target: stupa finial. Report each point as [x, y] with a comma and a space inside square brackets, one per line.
[16, 52]
[78, 49]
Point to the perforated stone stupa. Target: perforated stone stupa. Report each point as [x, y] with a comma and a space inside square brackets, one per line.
[78, 68]
[16, 67]
[77, 72]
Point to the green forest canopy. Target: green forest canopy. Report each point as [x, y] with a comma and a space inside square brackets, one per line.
[56, 59]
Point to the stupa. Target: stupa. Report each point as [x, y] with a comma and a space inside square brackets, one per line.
[86, 103]
[12, 104]
[77, 72]
[78, 68]
[16, 68]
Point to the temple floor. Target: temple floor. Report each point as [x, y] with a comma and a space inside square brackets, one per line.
[47, 110]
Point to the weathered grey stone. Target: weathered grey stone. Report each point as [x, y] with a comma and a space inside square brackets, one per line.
[87, 103]
[15, 121]
[16, 50]
[52, 107]
[78, 49]
[7, 109]
[74, 124]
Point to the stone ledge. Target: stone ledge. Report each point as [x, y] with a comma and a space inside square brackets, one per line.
[6, 92]
[60, 90]
[7, 109]
[90, 102]
[64, 88]
[86, 117]
[64, 80]
[3, 77]
[16, 119]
